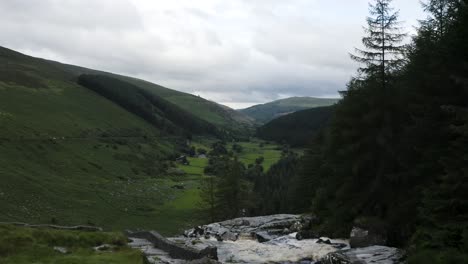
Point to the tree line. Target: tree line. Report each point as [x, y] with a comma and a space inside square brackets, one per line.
[394, 152]
[157, 111]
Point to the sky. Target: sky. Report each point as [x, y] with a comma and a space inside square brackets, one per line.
[235, 52]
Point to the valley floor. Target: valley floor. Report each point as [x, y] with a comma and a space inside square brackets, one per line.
[108, 183]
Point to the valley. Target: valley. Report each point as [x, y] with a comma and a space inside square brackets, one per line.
[101, 168]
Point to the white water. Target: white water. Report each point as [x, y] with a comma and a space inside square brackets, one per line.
[282, 249]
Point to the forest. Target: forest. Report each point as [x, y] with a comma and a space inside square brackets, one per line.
[296, 129]
[393, 154]
[155, 110]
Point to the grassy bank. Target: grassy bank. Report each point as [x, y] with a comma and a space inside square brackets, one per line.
[20, 245]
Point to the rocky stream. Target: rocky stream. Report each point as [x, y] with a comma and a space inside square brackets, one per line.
[268, 239]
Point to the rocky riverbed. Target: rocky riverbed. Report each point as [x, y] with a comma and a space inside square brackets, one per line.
[268, 239]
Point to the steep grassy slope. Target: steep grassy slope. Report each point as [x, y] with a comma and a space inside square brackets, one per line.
[296, 129]
[152, 108]
[234, 122]
[269, 111]
[71, 156]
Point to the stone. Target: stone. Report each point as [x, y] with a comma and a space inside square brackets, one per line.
[360, 237]
[262, 236]
[229, 236]
[324, 241]
[367, 255]
[104, 247]
[297, 226]
[204, 261]
[306, 234]
[61, 250]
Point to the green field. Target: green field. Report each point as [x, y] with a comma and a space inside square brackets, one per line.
[21, 245]
[255, 149]
[70, 156]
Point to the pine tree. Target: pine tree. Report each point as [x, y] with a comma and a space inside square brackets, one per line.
[208, 197]
[441, 15]
[382, 53]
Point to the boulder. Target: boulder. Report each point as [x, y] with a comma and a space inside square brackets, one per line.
[61, 250]
[324, 241]
[228, 235]
[367, 255]
[194, 232]
[306, 234]
[360, 237]
[297, 226]
[104, 247]
[267, 227]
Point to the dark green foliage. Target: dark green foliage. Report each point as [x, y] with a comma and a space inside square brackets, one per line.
[266, 112]
[274, 188]
[237, 148]
[148, 106]
[382, 55]
[226, 193]
[201, 151]
[394, 153]
[218, 148]
[297, 129]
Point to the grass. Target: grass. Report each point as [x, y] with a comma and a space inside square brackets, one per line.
[69, 156]
[21, 245]
[255, 149]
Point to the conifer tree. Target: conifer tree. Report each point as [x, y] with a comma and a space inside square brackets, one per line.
[441, 15]
[383, 49]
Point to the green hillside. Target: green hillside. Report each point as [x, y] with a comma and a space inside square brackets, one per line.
[150, 107]
[234, 122]
[266, 112]
[71, 155]
[24, 245]
[297, 129]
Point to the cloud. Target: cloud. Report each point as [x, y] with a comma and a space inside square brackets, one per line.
[235, 52]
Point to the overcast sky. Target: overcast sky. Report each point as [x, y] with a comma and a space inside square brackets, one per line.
[235, 52]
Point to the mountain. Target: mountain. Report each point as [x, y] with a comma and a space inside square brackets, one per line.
[265, 112]
[296, 129]
[230, 120]
[83, 146]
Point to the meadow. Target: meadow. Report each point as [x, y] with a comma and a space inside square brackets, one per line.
[21, 245]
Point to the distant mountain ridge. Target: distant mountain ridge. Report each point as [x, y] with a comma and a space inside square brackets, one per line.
[297, 129]
[264, 113]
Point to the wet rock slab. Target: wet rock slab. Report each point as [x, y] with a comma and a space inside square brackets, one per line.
[284, 249]
[366, 255]
[266, 227]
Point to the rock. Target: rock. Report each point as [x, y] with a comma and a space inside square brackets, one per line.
[306, 234]
[204, 261]
[229, 236]
[324, 241]
[262, 236]
[364, 238]
[61, 250]
[104, 247]
[367, 255]
[246, 227]
[194, 232]
[297, 226]
[178, 186]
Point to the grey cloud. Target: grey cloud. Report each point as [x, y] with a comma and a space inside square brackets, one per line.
[236, 52]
